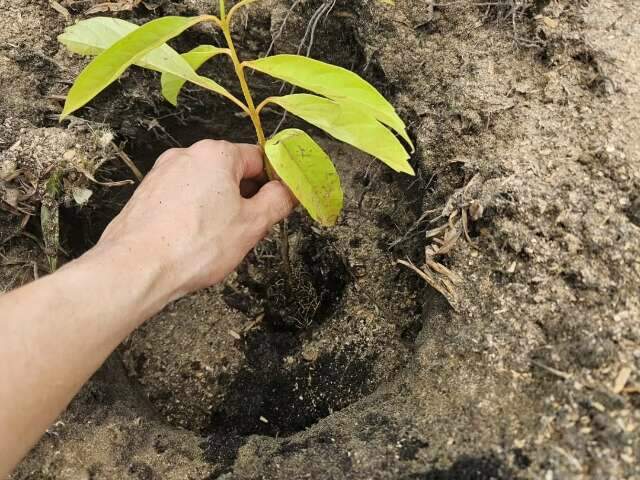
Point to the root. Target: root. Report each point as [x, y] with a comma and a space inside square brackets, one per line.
[442, 240]
[512, 11]
[284, 253]
[277, 36]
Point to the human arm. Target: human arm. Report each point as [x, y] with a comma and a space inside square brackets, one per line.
[186, 227]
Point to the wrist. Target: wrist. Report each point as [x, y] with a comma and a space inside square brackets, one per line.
[127, 265]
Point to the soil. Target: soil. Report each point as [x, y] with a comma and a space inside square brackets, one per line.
[506, 364]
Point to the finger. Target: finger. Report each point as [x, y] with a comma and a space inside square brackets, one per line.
[251, 161]
[272, 203]
[244, 160]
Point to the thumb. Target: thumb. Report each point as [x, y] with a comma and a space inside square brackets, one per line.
[273, 202]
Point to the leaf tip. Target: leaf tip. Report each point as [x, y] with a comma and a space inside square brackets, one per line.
[330, 222]
[405, 167]
[171, 99]
[65, 113]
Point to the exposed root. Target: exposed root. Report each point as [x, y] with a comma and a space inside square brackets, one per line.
[127, 161]
[458, 212]
[514, 12]
[277, 36]
[443, 283]
[294, 301]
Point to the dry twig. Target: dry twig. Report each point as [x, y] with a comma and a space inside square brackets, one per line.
[120, 6]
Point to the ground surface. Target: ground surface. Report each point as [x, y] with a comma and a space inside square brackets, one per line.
[527, 123]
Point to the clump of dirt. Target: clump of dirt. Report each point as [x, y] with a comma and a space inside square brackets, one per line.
[62, 159]
[522, 114]
[48, 169]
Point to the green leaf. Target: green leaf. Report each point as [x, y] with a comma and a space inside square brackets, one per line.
[112, 62]
[95, 35]
[334, 82]
[172, 84]
[308, 172]
[350, 124]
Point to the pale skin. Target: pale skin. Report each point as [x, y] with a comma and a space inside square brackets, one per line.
[188, 225]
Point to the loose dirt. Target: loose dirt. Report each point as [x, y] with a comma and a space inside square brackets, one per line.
[526, 118]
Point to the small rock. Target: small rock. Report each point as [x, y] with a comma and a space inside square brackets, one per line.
[476, 210]
[310, 354]
[69, 155]
[81, 195]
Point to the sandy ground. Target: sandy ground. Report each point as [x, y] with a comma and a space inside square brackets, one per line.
[527, 123]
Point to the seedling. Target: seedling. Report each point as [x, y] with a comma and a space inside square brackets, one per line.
[341, 103]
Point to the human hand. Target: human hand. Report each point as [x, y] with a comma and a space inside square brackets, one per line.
[189, 217]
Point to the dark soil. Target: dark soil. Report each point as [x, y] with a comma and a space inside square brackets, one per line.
[526, 117]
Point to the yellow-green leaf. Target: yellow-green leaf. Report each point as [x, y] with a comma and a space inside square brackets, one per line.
[172, 84]
[111, 63]
[334, 82]
[308, 171]
[350, 124]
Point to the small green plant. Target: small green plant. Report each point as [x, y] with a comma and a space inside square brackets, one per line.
[342, 104]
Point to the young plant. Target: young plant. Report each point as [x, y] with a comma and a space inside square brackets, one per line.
[341, 103]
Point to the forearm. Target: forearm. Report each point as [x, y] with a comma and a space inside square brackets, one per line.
[186, 227]
[54, 334]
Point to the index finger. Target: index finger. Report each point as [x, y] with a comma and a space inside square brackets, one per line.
[243, 159]
[251, 160]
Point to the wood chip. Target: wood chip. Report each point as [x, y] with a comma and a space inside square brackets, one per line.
[253, 324]
[12, 196]
[465, 226]
[120, 6]
[438, 267]
[435, 231]
[476, 210]
[450, 240]
[60, 9]
[553, 371]
[235, 334]
[621, 379]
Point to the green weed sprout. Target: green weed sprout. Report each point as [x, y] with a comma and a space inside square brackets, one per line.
[341, 103]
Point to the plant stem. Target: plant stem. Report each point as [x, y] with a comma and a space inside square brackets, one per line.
[255, 118]
[222, 10]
